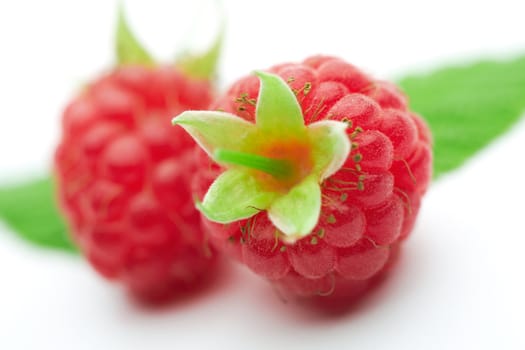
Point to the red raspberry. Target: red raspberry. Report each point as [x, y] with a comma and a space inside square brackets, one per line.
[123, 177]
[368, 206]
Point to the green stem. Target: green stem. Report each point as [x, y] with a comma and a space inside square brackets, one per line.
[275, 167]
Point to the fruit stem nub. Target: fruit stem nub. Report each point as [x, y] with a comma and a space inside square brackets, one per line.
[275, 167]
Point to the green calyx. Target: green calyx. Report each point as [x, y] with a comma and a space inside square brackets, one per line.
[275, 165]
[130, 51]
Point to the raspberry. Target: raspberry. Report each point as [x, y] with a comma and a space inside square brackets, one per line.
[124, 175]
[123, 178]
[368, 205]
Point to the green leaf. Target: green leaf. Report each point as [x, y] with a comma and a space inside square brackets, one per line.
[296, 213]
[29, 209]
[213, 130]
[330, 146]
[203, 66]
[235, 195]
[278, 112]
[467, 106]
[128, 48]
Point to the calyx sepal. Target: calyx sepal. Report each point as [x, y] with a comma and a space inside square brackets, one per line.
[276, 164]
[128, 49]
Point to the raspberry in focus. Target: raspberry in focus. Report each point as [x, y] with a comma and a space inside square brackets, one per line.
[369, 206]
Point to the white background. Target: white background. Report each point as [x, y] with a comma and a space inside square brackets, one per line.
[460, 282]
